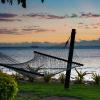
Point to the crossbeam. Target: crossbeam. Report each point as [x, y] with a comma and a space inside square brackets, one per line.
[57, 58]
[21, 70]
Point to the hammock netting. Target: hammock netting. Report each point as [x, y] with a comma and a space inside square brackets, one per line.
[39, 65]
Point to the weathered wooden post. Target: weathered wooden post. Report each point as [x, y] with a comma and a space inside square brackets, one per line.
[70, 57]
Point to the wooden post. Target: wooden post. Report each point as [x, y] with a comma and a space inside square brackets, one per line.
[70, 57]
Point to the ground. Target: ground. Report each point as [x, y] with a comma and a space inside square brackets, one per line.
[56, 91]
[30, 94]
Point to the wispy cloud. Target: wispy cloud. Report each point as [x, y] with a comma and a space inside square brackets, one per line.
[28, 29]
[7, 15]
[84, 15]
[8, 31]
[16, 31]
[37, 30]
[89, 25]
[81, 23]
[73, 16]
[8, 20]
[90, 15]
[44, 30]
[45, 16]
[96, 25]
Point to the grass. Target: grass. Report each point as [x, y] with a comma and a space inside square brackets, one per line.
[25, 98]
[85, 92]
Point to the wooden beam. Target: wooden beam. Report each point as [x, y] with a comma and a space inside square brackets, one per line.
[21, 70]
[70, 58]
[57, 58]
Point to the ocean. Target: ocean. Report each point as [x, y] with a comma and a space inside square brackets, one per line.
[89, 57]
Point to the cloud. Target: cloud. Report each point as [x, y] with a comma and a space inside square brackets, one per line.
[80, 23]
[23, 31]
[55, 17]
[73, 16]
[89, 25]
[45, 16]
[37, 30]
[7, 15]
[8, 31]
[31, 27]
[84, 15]
[89, 15]
[8, 20]
[44, 30]
[96, 25]
[27, 29]
[35, 26]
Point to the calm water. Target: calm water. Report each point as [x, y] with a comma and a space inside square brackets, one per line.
[89, 57]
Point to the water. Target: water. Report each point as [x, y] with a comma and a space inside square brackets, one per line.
[89, 57]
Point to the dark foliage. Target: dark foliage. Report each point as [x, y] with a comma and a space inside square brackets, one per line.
[22, 2]
[8, 87]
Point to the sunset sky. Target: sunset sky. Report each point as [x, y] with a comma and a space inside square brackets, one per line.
[51, 21]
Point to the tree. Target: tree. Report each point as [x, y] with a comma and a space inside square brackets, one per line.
[22, 2]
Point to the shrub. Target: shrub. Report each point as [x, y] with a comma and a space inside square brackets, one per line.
[80, 78]
[31, 79]
[31, 69]
[8, 87]
[62, 78]
[47, 77]
[96, 78]
[17, 76]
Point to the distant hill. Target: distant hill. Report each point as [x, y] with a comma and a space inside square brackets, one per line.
[81, 44]
[88, 44]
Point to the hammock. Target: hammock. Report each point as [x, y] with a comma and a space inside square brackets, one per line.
[39, 65]
[10, 63]
[52, 64]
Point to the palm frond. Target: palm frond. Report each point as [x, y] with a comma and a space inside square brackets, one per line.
[80, 77]
[96, 78]
[22, 2]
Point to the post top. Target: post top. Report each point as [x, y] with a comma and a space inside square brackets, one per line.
[73, 30]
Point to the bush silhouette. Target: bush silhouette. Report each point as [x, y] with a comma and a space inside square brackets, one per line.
[62, 78]
[47, 77]
[96, 78]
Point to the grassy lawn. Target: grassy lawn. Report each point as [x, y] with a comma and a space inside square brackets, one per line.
[56, 89]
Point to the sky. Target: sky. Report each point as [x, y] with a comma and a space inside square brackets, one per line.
[51, 21]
